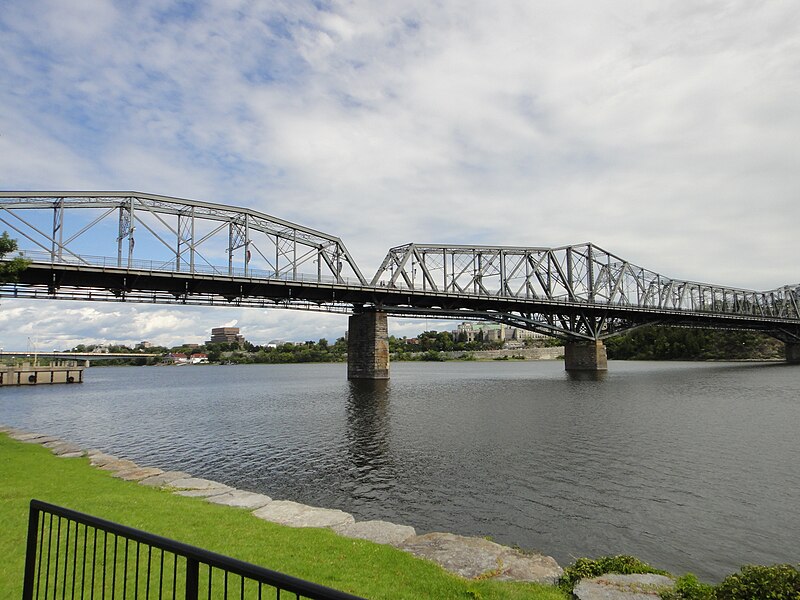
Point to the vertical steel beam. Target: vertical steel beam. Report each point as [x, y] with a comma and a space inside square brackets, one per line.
[179, 242]
[444, 269]
[230, 248]
[191, 245]
[294, 255]
[58, 230]
[131, 229]
[246, 244]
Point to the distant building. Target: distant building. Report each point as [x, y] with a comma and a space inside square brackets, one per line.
[176, 358]
[144, 345]
[493, 332]
[226, 335]
[198, 358]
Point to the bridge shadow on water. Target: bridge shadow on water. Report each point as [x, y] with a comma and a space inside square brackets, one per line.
[587, 375]
[368, 424]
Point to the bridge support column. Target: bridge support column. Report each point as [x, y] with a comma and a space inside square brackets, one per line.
[585, 356]
[368, 346]
[793, 353]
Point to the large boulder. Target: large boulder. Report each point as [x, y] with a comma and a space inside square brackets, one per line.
[613, 586]
[478, 558]
[381, 532]
[293, 514]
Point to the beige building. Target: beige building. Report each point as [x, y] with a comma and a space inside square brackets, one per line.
[226, 335]
[493, 332]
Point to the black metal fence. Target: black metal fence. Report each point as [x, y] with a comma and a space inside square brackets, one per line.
[78, 556]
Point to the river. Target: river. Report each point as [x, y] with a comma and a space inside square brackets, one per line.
[689, 466]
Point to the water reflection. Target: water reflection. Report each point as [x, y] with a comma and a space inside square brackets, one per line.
[587, 375]
[368, 423]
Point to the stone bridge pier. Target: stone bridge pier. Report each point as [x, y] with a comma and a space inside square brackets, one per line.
[793, 353]
[585, 356]
[368, 346]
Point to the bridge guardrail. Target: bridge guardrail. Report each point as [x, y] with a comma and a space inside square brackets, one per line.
[160, 266]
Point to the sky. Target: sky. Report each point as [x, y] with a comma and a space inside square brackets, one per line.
[664, 132]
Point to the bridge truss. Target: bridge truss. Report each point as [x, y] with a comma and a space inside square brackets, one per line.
[581, 291]
[133, 247]
[159, 233]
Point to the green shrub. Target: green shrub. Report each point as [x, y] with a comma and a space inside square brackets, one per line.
[689, 587]
[776, 582]
[586, 568]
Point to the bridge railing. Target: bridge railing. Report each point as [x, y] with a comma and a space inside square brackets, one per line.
[160, 266]
[73, 555]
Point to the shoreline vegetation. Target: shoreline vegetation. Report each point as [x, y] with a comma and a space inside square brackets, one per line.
[645, 343]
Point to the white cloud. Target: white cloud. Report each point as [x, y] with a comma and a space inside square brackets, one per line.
[663, 132]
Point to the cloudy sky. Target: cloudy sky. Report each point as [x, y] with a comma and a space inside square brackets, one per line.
[665, 132]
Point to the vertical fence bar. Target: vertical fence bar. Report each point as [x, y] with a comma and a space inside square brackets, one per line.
[30, 554]
[75, 559]
[66, 562]
[192, 575]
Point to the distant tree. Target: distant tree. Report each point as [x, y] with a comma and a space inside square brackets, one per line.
[10, 270]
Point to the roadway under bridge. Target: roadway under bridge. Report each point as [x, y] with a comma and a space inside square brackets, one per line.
[134, 247]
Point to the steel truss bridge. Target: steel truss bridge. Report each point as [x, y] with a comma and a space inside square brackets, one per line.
[134, 247]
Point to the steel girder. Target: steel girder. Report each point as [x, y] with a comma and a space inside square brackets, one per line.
[179, 235]
[168, 250]
[594, 283]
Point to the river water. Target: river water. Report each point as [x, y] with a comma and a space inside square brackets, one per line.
[689, 466]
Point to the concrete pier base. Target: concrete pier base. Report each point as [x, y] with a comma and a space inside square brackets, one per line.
[368, 346]
[793, 353]
[585, 356]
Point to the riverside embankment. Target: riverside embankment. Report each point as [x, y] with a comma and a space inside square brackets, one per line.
[71, 484]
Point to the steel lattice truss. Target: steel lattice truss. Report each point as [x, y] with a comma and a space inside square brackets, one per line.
[147, 231]
[573, 277]
[127, 246]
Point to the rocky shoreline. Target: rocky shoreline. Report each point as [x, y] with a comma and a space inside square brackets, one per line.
[469, 557]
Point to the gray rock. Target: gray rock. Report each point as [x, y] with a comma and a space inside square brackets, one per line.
[241, 499]
[138, 473]
[196, 487]
[71, 455]
[196, 483]
[164, 479]
[101, 459]
[119, 464]
[41, 439]
[23, 436]
[293, 514]
[204, 493]
[381, 532]
[613, 586]
[59, 447]
[479, 558]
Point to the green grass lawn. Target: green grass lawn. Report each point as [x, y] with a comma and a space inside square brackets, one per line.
[359, 567]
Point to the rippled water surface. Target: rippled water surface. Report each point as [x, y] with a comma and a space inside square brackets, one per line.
[688, 466]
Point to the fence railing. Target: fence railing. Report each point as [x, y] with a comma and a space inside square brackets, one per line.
[74, 555]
